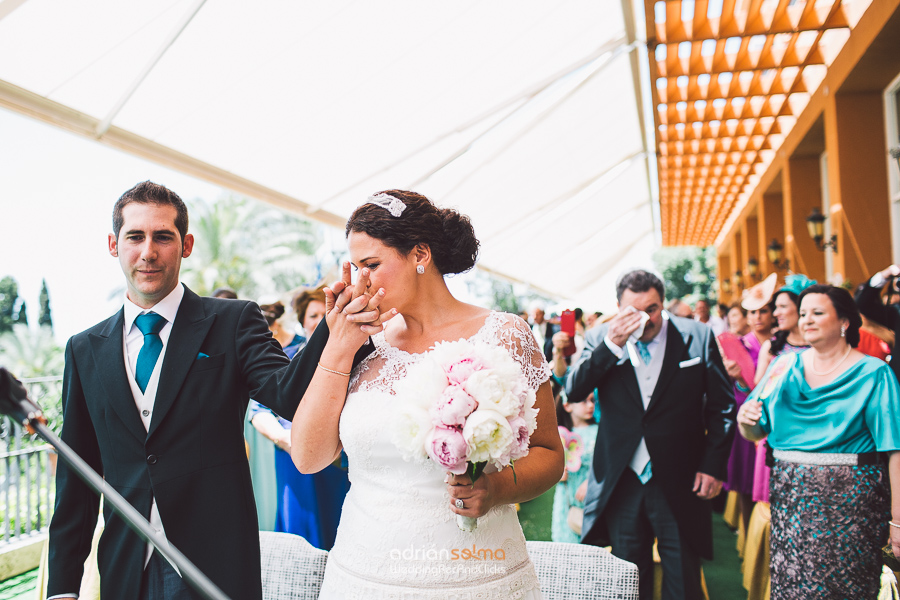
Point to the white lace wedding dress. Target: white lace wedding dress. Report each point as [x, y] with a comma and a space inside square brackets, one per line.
[398, 538]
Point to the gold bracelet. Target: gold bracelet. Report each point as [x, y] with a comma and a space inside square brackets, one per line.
[333, 371]
[892, 524]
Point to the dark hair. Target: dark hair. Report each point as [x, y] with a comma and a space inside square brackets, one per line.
[639, 281]
[272, 312]
[844, 306]
[737, 305]
[564, 417]
[301, 302]
[579, 316]
[779, 340]
[225, 292]
[147, 192]
[449, 234]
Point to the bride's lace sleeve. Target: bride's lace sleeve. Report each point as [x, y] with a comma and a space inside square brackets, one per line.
[515, 335]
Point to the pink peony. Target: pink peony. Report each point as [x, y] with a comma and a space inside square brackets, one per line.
[454, 406]
[447, 447]
[458, 372]
[521, 437]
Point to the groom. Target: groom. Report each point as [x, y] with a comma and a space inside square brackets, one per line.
[154, 399]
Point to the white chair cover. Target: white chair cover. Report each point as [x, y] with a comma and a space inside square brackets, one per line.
[580, 571]
[292, 568]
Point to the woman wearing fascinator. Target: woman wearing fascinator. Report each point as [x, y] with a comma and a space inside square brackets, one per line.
[447, 423]
[830, 414]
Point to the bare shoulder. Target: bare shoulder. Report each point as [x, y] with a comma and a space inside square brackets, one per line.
[471, 314]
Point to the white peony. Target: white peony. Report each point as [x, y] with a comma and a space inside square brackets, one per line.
[493, 391]
[529, 412]
[410, 428]
[424, 383]
[489, 437]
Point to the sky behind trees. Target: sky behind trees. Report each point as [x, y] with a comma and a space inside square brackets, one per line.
[57, 191]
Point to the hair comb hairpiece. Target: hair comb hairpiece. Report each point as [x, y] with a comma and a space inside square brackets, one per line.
[394, 205]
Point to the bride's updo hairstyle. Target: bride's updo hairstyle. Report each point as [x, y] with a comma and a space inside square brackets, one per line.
[449, 234]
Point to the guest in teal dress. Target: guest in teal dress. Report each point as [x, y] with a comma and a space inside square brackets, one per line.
[831, 414]
[579, 431]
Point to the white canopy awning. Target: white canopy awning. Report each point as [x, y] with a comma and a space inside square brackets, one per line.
[527, 116]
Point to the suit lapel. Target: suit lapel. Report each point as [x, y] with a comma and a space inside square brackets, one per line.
[107, 349]
[188, 332]
[631, 381]
[677, 345]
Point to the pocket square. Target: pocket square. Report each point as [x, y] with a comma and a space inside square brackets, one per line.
[201, 356]
[689, 363]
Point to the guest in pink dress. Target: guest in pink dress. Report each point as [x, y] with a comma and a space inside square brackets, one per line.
[758, 317]
[787, 338]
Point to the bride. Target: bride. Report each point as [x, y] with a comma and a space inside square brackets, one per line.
[398, 536]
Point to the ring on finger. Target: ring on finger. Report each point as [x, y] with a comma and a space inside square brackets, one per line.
[459, 503]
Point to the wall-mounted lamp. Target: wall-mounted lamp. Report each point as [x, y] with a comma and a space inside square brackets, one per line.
[815, 223]
[773, 251]
[738, 280]
[726, 286]
[753, 268]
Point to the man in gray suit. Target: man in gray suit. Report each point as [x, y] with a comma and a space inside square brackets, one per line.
[665, 432]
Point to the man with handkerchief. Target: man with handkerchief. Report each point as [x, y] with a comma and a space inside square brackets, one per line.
[665, 433]
[154, 400]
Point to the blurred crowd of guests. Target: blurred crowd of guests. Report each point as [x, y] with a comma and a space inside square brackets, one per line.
[814, 399]
[813, 468]
[287, 500]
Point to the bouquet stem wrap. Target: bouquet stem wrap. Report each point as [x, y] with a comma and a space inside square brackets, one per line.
[466, 523]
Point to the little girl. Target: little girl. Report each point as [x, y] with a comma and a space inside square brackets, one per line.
[577, 417]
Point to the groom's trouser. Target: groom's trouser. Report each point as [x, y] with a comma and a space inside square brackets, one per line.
[162, 582]
[636, 514]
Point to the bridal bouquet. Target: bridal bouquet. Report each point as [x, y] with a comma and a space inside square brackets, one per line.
[469, 405]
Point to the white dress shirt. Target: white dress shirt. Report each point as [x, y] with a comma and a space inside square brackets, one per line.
[133, 341]
[715, 323]
[647, 376]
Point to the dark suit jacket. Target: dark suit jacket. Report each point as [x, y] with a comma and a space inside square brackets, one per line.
[868, 299]
[688, 425]
[192, 460]
[548, 330]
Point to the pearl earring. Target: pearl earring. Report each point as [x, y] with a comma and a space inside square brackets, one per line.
[843, 331]
[420, 269]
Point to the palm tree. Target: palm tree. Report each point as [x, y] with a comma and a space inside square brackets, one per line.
[247, 246]
[31, 353]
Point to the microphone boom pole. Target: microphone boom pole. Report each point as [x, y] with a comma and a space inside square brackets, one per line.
[14, 402]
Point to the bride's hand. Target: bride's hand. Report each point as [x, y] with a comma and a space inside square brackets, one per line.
[477, 498]
[352, 313]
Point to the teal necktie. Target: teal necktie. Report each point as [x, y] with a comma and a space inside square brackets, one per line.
[150, 325]
[647, 473]
[644, 351]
